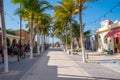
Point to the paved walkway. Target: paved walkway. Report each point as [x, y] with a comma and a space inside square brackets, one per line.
[96, 70]
[56, 65]
[17, 69]
[109, 61]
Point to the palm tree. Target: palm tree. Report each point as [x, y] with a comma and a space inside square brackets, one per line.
[60, 27]
[80, 4]
[66, 10]
[4, 44]
[44, 24]
[37, 7]
[76, 32]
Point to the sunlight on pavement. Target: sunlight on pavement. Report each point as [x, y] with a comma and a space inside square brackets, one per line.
[65, 67]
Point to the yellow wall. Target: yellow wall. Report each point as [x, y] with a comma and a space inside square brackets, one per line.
[11, 38]
[25, 35]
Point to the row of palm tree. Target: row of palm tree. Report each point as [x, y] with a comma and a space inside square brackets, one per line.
[33, 12]
[64, 18]
[38, 21]
[63, 22]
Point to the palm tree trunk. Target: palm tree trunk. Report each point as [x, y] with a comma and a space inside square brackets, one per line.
[4, 43]
[20, 44]
[35, 30]
[33, 37]
[66, 38]
[31, 33]
[81, 34]
[71, 36]
[38, 38]
[53, 40]
[48, 39]
[78, 43]
[38, 43]
[43, 42]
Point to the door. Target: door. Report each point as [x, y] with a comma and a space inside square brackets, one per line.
[116, 41]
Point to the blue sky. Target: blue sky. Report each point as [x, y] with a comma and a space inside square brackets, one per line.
[94, 11]
[98, 9]
[12, 21]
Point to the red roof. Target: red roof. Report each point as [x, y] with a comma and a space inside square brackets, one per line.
[113, 33]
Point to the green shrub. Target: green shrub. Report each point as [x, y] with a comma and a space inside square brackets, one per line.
[9, 31]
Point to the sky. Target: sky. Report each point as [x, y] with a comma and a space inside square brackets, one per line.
[91, 15]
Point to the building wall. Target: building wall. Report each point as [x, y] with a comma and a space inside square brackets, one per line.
[10, 38]
[25, 35]
[107, 43]
[102, 42]
[110, 43]
[94, 42]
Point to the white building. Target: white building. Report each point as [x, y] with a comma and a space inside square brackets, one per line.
[108, 35]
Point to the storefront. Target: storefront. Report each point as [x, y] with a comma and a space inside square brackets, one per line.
[115, 35]
[109, 36]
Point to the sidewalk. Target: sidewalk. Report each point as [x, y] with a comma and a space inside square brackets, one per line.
[109, 61]
[10, 60]
[57, 65]
[96, 56]
[17, 69]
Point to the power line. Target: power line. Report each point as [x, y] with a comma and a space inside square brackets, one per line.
[12, 18]
[104, 16]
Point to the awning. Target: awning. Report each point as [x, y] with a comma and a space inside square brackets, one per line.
[113, 33]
